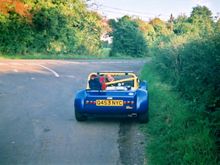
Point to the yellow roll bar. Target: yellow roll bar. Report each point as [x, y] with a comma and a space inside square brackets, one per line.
[133, 78]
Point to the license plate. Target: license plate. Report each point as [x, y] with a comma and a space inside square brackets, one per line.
[109, 102]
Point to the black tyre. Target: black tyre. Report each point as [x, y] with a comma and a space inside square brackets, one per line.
[79, 116]
[143, 117]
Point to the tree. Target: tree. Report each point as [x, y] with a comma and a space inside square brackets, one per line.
[128, 39]
[182, 25]
[148, 31]
[160, 27]
[217, 26]
[201, 19]
[16, 34]
[52, 26]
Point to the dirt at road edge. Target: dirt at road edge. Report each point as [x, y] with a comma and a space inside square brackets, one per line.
[131, 144]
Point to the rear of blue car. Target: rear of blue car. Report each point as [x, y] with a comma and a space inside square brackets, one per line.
[128, 103]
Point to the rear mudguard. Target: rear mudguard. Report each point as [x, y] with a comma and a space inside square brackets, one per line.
[79, 100]
[142, 101]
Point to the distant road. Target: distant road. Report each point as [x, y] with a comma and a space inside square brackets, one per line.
[37, 123]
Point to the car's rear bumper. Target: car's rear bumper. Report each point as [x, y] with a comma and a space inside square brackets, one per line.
[112, 115]
[112, 111]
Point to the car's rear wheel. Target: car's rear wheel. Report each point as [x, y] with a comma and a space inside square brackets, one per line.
[143, 117]
[79, 116]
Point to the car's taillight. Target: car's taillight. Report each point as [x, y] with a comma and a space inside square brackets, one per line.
[128, 102]
[90, 102]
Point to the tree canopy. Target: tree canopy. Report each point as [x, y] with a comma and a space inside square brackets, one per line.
[49, 27]
[128, 39]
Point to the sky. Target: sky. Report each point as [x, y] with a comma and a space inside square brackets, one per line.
[148, 9]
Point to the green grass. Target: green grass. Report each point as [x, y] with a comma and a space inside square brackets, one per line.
[104, 55]
[176, 134]
[52, 56]
[101, 54]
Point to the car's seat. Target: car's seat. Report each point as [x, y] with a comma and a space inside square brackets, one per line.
[94, 84]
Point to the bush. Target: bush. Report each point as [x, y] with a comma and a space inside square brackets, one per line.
[200, 71]
[16, 34]
[127, 38]
[51, 27]
[177, 132]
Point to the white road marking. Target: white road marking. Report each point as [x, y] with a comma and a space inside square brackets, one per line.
[15, 70]
[75, 62]
[30, 64]
[52, 71]
[43, 64]
[3, 64]
[69, 76]
[15, 63]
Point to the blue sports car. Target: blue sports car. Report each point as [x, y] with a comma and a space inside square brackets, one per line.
[113, 94]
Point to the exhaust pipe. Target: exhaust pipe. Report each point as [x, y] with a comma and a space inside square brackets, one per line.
[132, 115]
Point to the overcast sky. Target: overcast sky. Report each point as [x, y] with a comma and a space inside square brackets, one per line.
[147, 9]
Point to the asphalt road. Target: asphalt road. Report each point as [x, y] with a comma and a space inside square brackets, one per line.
[37, 123]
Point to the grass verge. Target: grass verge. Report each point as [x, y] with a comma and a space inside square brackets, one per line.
[176, 134]
[62, 57]
[50, 56]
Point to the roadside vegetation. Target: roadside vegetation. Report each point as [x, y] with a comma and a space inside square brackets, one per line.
[184, 74]
[179, 131]
[128, 39]
[184, 79]
[66, 28]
